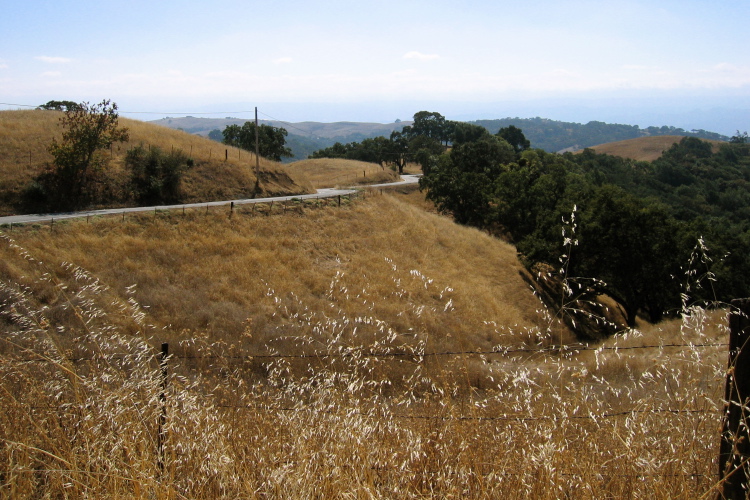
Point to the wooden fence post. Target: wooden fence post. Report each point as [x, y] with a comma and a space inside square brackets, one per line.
[162, 434]
[734, 454]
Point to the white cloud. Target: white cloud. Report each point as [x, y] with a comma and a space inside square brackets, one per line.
[4, 66]
[726, 67]
[283, 60]
[53, 60]
[419, 56]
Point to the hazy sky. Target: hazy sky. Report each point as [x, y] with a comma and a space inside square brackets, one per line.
[168, 55]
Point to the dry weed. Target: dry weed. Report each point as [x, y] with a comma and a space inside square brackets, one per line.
[347, 378]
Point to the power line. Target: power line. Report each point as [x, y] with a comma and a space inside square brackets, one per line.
[20, 105]
[286, 123]
[185, 113]
[145, 112]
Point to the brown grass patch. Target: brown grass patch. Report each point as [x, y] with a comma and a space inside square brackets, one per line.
[337, 172]
[642, 148]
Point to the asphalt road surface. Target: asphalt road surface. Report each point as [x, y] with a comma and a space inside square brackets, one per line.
[321, 193]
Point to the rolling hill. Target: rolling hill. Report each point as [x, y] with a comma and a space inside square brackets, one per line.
[643, 148]
[304, 137]
[557, 136]
[219, 172]
[551, 135]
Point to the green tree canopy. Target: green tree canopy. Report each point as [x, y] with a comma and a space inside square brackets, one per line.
[633, 247]
[73, 179]
[462, 132]
[515, 138]
[271, 140]
[60, 105]
[430, 124]
[461, 181]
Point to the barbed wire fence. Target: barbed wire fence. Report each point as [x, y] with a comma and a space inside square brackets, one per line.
[732, 460]
[164, 360]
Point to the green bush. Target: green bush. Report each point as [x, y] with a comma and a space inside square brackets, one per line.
[155, 176]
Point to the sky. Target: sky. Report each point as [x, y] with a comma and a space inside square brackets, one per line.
[617, 61]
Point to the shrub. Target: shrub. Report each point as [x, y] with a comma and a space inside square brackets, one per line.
[155, 175]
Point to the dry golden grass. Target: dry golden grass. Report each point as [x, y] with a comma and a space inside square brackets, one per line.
[220, 172]
[643, 148]
[208, 274]
[336, 172]
[367, 291]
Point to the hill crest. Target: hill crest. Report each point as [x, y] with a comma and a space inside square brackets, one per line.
[550, 135]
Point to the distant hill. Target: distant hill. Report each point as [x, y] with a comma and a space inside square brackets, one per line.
[304, 137]
[556, 136]
[643, 148]
[551, 135]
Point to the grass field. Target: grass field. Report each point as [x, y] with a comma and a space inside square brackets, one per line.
[372, 350]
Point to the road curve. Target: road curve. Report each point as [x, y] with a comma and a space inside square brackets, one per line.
[321, 193]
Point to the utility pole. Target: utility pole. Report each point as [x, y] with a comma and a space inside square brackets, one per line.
[257, 146]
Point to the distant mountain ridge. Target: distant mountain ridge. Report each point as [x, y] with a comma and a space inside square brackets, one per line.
[556, 136]
[304, 138]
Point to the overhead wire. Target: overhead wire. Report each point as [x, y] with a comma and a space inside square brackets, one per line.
[186, 114]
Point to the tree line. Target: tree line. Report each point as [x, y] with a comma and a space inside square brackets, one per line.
[649, 234]
[554, 136]
[422, 142]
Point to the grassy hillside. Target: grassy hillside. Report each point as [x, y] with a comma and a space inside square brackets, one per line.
[642, 148]
[332, 172]
[219, 172]
[298, 366]
[207, 275]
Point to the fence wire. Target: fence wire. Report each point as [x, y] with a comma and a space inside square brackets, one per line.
[568, 349]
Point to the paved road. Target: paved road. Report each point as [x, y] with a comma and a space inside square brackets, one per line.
[321, 193]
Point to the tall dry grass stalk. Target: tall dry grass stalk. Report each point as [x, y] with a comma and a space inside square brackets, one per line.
[342, 375]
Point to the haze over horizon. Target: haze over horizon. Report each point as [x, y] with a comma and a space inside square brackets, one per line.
[628, 61]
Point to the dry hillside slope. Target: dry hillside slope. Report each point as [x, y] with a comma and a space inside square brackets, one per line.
[337, 172]
[323, 354]
[207, 275]
[220, 172]
[642, 148]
